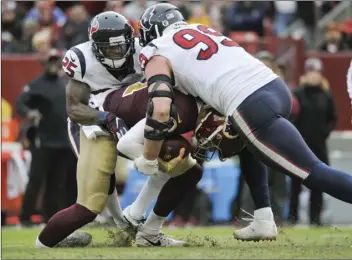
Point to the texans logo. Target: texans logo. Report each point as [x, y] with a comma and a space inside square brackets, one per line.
[145, 20]
[94, 27]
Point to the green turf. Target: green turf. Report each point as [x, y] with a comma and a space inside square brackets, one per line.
[204, 243]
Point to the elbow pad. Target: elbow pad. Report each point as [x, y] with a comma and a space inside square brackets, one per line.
[160, 129]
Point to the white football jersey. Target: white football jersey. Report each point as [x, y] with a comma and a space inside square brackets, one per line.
[81, 64]
[208, 65]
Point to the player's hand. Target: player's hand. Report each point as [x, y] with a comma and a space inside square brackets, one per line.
[147, 167]
[116, 126]
[170, 165]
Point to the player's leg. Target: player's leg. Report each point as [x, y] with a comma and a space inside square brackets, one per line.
[113, 204]
[186, 176]
[263, 226]
[96, 162]
[261, 119]
[131, 146]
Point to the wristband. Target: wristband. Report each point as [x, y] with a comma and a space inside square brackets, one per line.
[102, 116]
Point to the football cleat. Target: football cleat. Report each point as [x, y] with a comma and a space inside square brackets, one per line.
[76, 239]
[131, 220]
[161, 240]
[262, 227]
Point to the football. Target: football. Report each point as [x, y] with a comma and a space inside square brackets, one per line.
[171, 147]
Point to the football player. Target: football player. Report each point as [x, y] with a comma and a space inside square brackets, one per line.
[255, 101]
[214, 133]
[105, 62]
[171, 184]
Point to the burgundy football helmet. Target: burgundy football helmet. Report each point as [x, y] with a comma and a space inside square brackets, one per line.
[214, 133]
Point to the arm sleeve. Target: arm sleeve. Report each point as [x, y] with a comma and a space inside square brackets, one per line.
[132, 143]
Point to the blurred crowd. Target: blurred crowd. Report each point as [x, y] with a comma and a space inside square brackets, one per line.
[37, 26]
[40, 26]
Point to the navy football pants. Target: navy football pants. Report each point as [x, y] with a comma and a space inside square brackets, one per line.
[262, 120]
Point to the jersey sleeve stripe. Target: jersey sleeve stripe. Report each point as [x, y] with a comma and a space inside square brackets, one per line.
[81, 59]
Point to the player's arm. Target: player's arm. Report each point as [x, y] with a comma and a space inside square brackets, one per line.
[158, 74]
[77, 98]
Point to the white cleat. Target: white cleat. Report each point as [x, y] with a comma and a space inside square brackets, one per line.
[130, 220]
[76, 239]
[262, 227]
[161, 240]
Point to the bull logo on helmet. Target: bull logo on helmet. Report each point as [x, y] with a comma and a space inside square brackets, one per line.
[145, 21]
[94, 27]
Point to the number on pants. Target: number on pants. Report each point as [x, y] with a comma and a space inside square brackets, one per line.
[189, 38]
[69, 66]
[133, 88]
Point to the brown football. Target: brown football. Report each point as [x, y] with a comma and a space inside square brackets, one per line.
[171, 147]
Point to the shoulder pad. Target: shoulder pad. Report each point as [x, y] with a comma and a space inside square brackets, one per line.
[74, 64]
[146, 54]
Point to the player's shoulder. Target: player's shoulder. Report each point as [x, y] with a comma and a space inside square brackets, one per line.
[137, 46]
[75, 61]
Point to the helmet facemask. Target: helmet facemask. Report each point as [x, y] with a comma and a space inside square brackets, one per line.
[114, 53]
[210, 138]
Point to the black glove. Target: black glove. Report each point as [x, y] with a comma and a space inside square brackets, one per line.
[116, 126]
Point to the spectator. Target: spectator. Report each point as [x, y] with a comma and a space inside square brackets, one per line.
[11, 27]
[315, 121]
[75, 30]
[285, 14]
[183, 7]
[29, 29]
[116, 6]
[48, 16]
[43, 102]
[134, 9]
[246, 16]
[334, 41]
[214, 9]
[41, 42]
[199, 15]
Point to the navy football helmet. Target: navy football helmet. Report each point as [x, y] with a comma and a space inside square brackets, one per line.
[156, 19]
[112, 39]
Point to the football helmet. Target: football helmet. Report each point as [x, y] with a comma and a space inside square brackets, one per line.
[112, 39]
[156, 19]
[214, 133]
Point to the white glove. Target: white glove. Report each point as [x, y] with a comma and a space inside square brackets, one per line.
[147, 167]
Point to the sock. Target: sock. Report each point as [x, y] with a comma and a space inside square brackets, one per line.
[64, 223]
[264, 214]
[153, 224]
[176, 189]
[114, 207]
[147, 195]
[334, 182]
[256, 175]
[39, 244]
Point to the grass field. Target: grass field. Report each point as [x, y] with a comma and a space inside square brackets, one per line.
[216, 242]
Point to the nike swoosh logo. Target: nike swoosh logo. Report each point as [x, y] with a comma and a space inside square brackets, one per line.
[179, 121]
[73, 60]
[153, 243]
